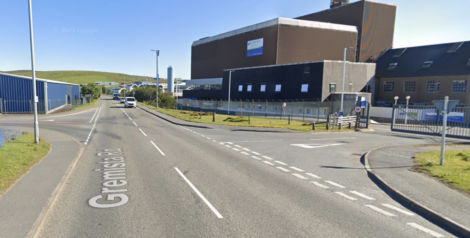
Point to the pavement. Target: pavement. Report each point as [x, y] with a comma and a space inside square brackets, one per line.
[391, 168]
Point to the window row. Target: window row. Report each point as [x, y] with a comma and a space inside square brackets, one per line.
[277, 89]
[458, 86]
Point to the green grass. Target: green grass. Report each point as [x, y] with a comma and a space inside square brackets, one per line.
[84, 77]
[230, 120]
[91, 104]
[18, 156]
[456, 169]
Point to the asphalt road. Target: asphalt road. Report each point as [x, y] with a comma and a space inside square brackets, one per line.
[140, 176]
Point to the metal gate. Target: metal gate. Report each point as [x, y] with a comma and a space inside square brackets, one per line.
[428, 120]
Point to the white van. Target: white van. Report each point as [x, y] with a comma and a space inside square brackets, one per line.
[130, 102]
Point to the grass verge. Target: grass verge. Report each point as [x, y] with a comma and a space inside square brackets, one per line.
[245, 121]
[456, 169]
[17, 156]
[93, 103]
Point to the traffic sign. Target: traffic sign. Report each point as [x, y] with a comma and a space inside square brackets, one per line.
[358, 109]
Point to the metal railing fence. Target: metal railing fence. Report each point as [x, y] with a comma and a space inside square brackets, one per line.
[428, 120]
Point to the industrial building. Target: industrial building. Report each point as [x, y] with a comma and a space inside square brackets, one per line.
[365, 26]
[424, 73]
[16, 94]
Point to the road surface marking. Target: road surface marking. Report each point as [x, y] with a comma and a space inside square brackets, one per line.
[266, 157]
[230, 143]
[335, 184]
[134, 123]
[235, 149]
[239, 146]
[200, 194]
[313, 175]
[319, 184]
[93, 115]
[94, 125]
[208, 138]
[161, 152]
[214, 141]
[337, 138]
[256, 153]
[222, 143]
[283, 169]
[267, 162]
[279, 162]
[295, 168]
[245, 153]
[130, 118]
[380, 210]
[362, 195]
[228, 146]
[246, 149]
[314, 146]
[254, 157]
[142, 132]
[299, 176]
[346, 196]
[414, 225]
[398, 209]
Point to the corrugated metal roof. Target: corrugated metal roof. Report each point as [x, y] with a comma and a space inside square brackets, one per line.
[39, 79]
[442, 59]
[278, 21]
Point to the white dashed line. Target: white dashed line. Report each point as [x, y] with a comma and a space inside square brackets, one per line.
[267, 162]
[279, 162]
[246, 149]
[142, 132]
[222, 143]
[362, 195]
[295, 168]
[299, 176]
[433, 233]
[230, 143]
[266, 157]
[200, 194]
[214, 140]
[228, 146]
[313, 175]
[398, 209]
[208, 138]
[238, 146]
[283, 169]
[256, 153]
[346, 196]
[130, 118]
[244, 153]
[235, 149]
[134, 123]
[335, 184]
[379, 210]
[161, 152]
[254, 157]
[319, 184]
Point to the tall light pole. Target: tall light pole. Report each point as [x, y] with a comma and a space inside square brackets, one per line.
[229, 84]
[33, 74]
[158, 53]
[396, 99]
[341, 111]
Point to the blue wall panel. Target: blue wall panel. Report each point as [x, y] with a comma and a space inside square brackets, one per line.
[56, 94]
[76, 92]
[16, 94]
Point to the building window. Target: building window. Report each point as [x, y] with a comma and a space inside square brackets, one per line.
[332, 88]
[307, 70]
[262, 88]
[240, 88]
[454, 47]
[398, 53]
[278, 87]
[388, 86]
[392, 66]
[248, 88]
[304, 88]
[433, 86]
[459, 86]
[427, 64]
[410, 87]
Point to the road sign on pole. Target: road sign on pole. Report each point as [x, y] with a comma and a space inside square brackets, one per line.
[358, 109]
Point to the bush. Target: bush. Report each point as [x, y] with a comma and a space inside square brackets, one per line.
[92, 89]
[236, 119]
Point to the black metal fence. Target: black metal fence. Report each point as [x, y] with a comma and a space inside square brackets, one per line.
[428, 120]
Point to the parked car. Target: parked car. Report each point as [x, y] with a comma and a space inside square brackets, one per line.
[130, 102]
[123, 100]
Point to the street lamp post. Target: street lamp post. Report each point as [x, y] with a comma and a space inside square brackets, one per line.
[341, 111]
[396, 99]
[158, 53]
[33, 74]
[229, 85]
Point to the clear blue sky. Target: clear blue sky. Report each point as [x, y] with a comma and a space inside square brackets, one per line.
[117, 36]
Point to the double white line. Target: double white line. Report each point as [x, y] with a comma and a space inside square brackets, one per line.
[97, 114]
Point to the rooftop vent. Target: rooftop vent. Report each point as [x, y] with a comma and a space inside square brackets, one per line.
[338, 3]
[427, 64]
[454, 47]
[392, 66]
[398, 53]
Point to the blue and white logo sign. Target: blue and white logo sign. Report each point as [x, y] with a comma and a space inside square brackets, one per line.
[254, 47]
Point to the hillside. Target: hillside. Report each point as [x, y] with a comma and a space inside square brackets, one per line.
[83, 77]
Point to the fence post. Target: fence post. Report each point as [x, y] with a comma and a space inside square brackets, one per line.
[393, 118]
[213, 117]
[249, 120]
[328, 122]
[266, 110]
[288, 119]
[313, 126]
[30, 107]
[303, 112]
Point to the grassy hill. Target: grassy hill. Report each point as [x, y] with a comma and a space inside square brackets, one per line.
[84, 77]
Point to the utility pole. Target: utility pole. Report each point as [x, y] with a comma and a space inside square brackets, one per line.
[158, 53]
[33, 74]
